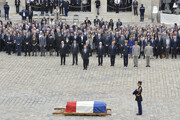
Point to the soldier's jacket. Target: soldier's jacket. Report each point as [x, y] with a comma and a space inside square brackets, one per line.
[138, 95]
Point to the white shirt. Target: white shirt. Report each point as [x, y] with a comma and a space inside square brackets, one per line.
[117, 1]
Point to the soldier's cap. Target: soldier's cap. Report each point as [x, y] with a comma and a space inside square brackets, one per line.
[139, 82]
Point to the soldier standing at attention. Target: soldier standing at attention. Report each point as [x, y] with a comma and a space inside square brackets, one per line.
[139, 98]
[136, 53]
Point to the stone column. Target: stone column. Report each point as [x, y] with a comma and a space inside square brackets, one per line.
[103, 7]
[13, 7]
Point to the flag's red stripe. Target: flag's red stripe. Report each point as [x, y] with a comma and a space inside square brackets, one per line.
[70, 107]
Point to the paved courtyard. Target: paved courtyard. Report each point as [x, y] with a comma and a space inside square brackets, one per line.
[30, 87]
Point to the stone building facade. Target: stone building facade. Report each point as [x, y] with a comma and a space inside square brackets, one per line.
[148, 4]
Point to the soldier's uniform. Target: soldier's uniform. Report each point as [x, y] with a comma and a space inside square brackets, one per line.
[139, 98]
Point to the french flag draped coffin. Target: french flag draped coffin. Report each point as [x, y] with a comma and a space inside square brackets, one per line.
[86, 107]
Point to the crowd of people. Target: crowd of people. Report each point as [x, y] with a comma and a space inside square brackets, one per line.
[100, 37]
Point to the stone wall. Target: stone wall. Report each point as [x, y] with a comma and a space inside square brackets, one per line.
[148, 4]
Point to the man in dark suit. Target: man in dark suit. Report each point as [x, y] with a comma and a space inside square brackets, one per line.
[112, 52]
[159, 46]
[75, 50]
[142, 11]
[17, 4]
[66, 7]
[61, 6]
[139, 98]
[119, 23]
[63, 53]
[30, 14]
[101, 23]
[174, 46]
[125, 52]
[135, 6]
[24, 14]
[51, 5]
[85, 57]
[100, 53]
[6, 10]
[106, 44]
[27, 44]
[87, 21]
[96, 21]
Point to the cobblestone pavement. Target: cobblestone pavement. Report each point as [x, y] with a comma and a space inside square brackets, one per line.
[30, 87]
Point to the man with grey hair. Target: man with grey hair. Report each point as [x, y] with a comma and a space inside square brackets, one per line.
[136, 53]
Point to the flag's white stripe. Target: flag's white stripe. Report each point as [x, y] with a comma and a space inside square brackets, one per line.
[84, 106]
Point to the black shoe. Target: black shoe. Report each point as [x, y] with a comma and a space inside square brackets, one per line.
[61, 64]
[138, 114]
[72, 64]
[134, 66]
[76, 64]
[99, 65]
[147, 66]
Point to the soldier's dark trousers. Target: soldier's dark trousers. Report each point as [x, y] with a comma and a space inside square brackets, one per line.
[139, 107]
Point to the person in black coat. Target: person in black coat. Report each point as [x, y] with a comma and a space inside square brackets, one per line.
[98, 4]
[74, 51]
[27, 44]
[119, 23]
[61, 6]
[112, 53]
[58, 40]
[100, 53]
[46, 3]
[158, 46]
[125, 52]
[85, 57]
[87, 21]
[106, 44]
[30, 14]
[174, 46]
[51, 5]
[51, 45]
[24, 14]
[63, 52]
[111, 24]
[66, 7]
[142, 11]
[96, 21]
[6, 10]
[17, 4]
